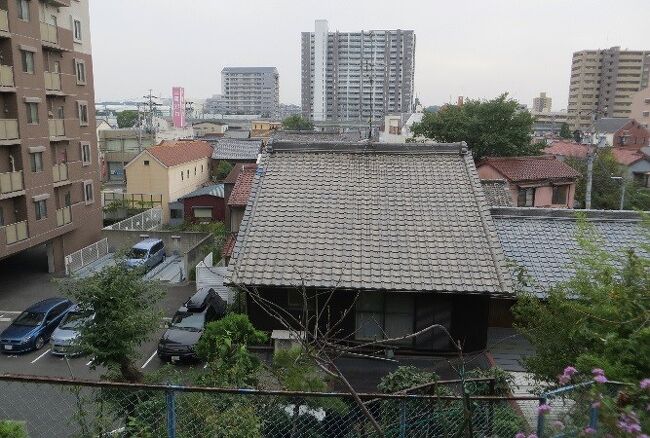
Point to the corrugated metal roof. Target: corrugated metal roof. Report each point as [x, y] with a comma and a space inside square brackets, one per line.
[214, 190]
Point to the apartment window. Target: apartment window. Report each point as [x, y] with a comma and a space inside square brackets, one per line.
[201, 168]
[80, 70]
[86, 158]
[67, 199]
[559, 194]
[28, 61]
[36, 161]
[646, 113]
[89, 196]
[76, 30]
[32, 113]
[83, 113]
[182, 175]
[188, 173]
[526, 197]
[2, 217]
[41, 209]
[146, 162]
[23, 9]
[194, 170]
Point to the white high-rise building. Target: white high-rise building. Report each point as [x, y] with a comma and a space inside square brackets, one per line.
[351, 75]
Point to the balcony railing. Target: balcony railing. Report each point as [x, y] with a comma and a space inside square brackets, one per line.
[57, 128]
[4, 21]
[8, 129]
[16, 232]
[52, 81]
[60, 172]
[49, 33]
[11, 182]
[63, 216]
[7, 76]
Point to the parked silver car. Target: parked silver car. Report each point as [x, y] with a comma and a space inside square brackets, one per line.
[146, 253]
[65, 338]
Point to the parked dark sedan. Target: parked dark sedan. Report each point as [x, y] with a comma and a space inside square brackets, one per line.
[187, 324]
[33, 328]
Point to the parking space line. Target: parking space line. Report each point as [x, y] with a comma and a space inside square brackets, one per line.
[15, 312]
[48, 350]
[5, 319]
[90, 362]
[149, 360]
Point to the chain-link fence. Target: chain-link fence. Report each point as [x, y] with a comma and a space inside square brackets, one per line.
[67, 408]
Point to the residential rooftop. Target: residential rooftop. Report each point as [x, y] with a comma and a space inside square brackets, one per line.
[243, 185]
[171, 153]
[310, 136]
[496, 193]
[215, 190]
[543, 241]
[369, 217]
[518, 169]
[235, 149]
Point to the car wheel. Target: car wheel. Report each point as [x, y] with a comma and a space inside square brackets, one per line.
[39, 342]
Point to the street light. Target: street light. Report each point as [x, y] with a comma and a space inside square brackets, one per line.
[622, 189]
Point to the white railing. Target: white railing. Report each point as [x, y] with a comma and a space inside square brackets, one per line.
[85, 256]
[63, 216]
[57, 127]
[4, 21]
[6, 76]
[60, 172]
[16, 232]
[8, 129]
[145, 221]
[52, 80]
[11, 182]
[49, 33]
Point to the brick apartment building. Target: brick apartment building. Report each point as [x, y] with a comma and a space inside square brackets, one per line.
[49, 170]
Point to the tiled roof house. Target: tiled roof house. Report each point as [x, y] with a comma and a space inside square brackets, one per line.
[407, 229]
[234, 150]
[542, 181]
[241, 178]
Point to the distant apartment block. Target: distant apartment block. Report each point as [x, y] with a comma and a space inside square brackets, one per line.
[49, 169]
[603, 82]
[641, 107]
[548, 123]
[542, 103]
[251, 90]
[351, 75]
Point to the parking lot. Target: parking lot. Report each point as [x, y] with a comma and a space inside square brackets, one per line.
[24, 281]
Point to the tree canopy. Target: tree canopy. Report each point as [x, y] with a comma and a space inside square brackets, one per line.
[127, 118]
[565, 131]
[598, 319]
[496, 127]
[297, 123]
[126, 315]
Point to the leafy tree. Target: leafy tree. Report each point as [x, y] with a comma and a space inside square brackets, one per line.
[224, 345]
[127, 118]
[597, 319]
[297, 123]
[12, 429]
[565, 131]
[297, 371]
[405, 377]
[496, 127]
[222, 170]
[124, 304]
[605, 191]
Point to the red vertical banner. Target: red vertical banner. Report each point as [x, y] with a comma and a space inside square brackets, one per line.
[178, 107]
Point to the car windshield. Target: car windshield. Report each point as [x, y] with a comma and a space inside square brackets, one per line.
[73, 320]
[30, 319]
[188, 321]
[138, 253]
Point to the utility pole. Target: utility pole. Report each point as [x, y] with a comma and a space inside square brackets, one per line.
[622, 180]
[591, 155]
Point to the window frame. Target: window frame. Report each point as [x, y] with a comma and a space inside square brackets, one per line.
[556, 190]
[86, 149]
[24, 13]
[32, 118]
[36, 165]
[77, 37]
[81, 104]
[40, 209]
[90, 184]
[525, 190]
[24, 56]
[80, 71]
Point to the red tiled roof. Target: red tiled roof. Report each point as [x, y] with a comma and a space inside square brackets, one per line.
[530, 168]
[233, 174]
[242, 189]
[627, 156]
[229, 245]
[567, 149]
[173, 153]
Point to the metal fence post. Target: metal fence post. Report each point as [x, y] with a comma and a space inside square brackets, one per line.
[593, 417]
[402, 419]
[540, 419]
[171, 412]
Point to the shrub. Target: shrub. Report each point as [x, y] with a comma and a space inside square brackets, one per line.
[12, 429]
[405, 377]
[222, 170]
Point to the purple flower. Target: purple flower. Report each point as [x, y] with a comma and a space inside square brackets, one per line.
[558, 425]
[598, 372]
[532, 435]
[570, 371]
[645, 384]
[600, 378]
[564, 379]
[520, 435]
[543, 409]
[643, 435]
[589, 430]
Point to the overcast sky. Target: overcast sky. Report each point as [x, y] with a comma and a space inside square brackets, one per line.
[477, 48]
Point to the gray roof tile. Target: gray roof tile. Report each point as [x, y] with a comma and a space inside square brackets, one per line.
[233, 149]
[375, 217]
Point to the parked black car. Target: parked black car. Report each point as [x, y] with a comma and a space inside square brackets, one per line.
[187, 325]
